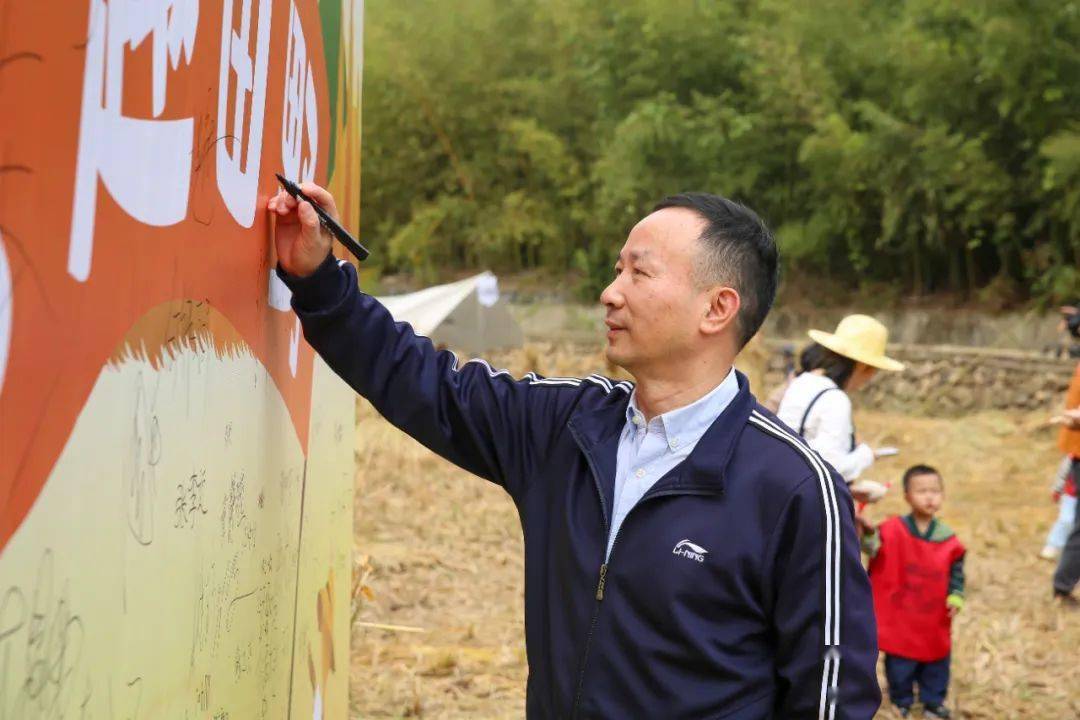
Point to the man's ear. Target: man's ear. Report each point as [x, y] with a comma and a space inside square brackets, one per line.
[722, 310]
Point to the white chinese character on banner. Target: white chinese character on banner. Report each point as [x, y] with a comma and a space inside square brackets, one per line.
[7, 299]
[279, 298]
[122, 150]
[294, 347]
[300, 117]
[242, 89]
[299, 122]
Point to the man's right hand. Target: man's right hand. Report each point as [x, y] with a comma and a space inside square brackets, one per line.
[302, 243]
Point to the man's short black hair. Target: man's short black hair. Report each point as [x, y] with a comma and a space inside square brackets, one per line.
[920, 470]
[739, 251]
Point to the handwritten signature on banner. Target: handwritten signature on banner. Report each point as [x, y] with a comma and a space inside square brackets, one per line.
[42, 643]
[120, 218]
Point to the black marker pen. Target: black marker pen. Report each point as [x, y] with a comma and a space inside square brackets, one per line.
[328, 222]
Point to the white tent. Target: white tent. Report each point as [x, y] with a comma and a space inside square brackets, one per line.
[466, 315]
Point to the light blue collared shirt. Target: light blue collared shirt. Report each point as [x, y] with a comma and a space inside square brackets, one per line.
[648, 450]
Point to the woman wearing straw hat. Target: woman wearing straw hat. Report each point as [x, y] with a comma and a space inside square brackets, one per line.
[816, 403]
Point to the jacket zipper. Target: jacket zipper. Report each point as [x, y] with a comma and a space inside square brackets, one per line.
[603, 576]
[600, 586]
[604, 565]
[600, 598]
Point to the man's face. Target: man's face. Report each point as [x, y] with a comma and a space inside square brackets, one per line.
[654, 309]
[924, 494]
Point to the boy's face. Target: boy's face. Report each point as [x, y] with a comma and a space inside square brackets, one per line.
[924, 493]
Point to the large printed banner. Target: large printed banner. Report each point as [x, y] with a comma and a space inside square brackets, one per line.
[175, 462]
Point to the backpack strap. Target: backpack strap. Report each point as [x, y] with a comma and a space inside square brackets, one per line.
[806, 415]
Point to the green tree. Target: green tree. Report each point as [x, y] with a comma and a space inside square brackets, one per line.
[931, 144]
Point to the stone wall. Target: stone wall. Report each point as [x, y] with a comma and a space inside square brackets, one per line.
[1032, 330]
[950, 380]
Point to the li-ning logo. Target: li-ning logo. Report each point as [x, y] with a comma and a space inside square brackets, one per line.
[689, 550]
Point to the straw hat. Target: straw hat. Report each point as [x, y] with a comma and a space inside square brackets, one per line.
[861, 338]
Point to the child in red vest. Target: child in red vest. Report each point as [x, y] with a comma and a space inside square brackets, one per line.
[917, 574]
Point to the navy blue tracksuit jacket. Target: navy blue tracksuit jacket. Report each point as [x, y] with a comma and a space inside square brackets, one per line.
[769, 616]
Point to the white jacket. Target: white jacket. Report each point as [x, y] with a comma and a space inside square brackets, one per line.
[829, 428]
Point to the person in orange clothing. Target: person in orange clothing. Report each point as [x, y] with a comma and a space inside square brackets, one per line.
[1068, 570]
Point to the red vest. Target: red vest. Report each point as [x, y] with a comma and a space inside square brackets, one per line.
[910, 579]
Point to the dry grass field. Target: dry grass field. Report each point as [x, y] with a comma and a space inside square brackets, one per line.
[441, 634]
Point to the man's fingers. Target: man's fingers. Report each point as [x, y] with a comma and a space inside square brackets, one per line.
[286, 200]
[282, 203]
[321, 196]
[308, 216]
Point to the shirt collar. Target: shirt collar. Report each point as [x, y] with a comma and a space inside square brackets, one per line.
[684, 426]
[913, 527]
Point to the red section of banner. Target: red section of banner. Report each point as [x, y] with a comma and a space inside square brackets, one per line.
[134, 168]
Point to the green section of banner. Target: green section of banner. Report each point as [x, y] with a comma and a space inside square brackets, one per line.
[330, 14]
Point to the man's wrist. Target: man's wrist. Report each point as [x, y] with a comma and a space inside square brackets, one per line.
[321, 288]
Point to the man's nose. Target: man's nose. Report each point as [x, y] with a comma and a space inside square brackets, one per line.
[611, 296]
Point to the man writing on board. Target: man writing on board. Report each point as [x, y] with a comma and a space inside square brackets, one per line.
[686, 556]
